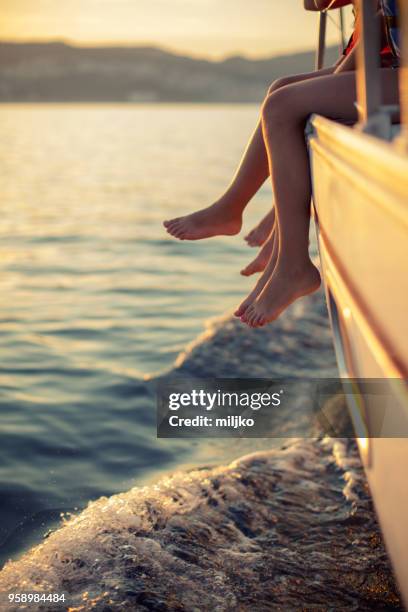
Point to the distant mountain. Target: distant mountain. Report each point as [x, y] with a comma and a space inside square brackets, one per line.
[57, 72]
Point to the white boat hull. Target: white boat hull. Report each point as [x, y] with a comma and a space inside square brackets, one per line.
[360, 189]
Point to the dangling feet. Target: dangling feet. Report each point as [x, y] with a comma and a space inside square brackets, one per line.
[262, 280]
[286, 285]
[216, 220]
[261, 260]
[261, 232]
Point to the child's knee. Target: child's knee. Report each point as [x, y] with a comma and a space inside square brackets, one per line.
[278, 84]
[278, 107]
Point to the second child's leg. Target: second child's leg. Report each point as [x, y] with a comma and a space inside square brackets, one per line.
[273, 242]
[224, 217]
[264, 255]
[259, 234]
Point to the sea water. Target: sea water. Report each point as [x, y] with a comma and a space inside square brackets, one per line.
[95, 295]
[97, 302]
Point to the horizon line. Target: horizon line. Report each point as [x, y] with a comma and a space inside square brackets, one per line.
[146, 45]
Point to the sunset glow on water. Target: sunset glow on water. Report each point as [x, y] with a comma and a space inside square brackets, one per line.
[95, 295]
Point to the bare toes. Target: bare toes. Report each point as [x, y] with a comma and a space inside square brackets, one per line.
[252, 268]
[247, 315]
[171, 222]
[260, 320]
[172, 228]
[241, 309]
[247, 271]
[179, 233]
[244, 316]
[253, 322]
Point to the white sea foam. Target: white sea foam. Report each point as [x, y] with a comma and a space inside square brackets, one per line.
[273, 530]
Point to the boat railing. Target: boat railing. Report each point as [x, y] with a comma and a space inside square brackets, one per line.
[375, 117]
[321, 43]
[322, 31]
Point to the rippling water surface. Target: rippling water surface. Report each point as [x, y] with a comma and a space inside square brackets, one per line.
[96, 299]
[272, 531]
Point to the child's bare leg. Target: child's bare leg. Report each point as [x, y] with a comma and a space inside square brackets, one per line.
[224, 217]
[284, 116]
[261, 232]
[262, 259]
[263, 279]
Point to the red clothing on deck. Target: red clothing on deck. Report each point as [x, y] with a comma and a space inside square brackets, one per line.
[386, 55]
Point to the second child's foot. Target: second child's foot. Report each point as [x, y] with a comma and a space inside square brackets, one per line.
[269, 270]
[260, 233]
[281, 290]
[216, 220]
[261, 260]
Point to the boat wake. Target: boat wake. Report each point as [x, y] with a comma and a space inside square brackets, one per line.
[285, 529]
[298, 345]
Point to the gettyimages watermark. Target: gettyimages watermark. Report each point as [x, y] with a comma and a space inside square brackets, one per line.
[259, 408]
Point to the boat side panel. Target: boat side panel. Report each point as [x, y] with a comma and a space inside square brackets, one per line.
[363, 238]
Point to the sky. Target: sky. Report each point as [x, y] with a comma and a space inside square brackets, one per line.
[209, 28]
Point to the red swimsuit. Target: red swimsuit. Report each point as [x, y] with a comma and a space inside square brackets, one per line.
[386, 55]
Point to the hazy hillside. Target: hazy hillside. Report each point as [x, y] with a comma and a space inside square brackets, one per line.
[59, 72]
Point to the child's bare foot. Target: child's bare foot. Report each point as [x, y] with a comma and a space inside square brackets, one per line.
[280, 291]
[261, 260]
[216, 220]
[261, 281]
[260, 233]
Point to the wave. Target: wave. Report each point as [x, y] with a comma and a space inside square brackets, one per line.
[279, 529]
[287, 529]
[297, 345]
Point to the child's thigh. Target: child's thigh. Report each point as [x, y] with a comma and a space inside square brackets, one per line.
[333, 96]
[298, 78]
